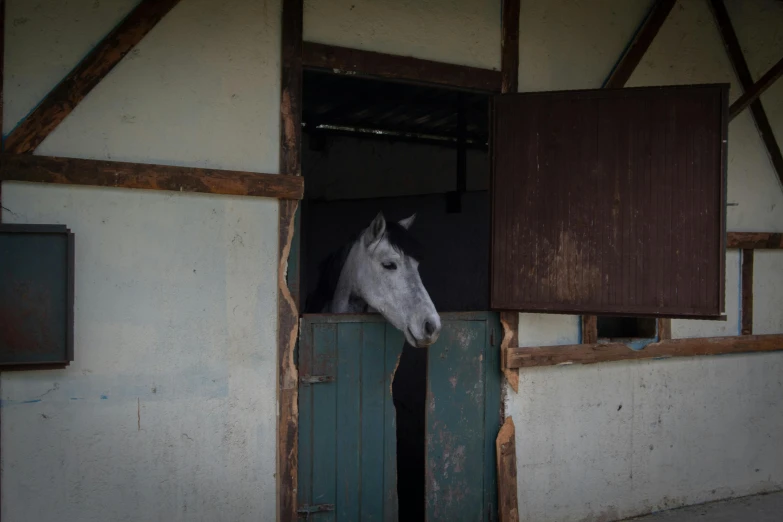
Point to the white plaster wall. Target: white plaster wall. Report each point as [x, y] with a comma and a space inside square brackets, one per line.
[168, 411]
[463, 32]
[603, 442]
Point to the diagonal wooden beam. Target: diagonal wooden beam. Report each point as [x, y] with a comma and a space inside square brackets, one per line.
[752, 94]
[734, 50]
[644, 36]
[86, 75]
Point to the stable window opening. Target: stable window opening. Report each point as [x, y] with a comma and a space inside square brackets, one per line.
[626, 327]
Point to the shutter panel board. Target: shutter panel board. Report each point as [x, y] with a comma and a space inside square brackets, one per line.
[610, 201]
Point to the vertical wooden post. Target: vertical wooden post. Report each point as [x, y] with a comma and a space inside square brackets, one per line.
[589, 329]
[509, 74]
[506, 454]
[664, 329]
[287, 312]
[747, 292]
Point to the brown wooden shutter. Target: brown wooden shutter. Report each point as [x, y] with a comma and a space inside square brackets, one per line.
[610, 201]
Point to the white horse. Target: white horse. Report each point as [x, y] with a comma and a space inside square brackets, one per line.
[379, 272]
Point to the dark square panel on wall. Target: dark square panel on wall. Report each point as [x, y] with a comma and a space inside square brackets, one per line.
[36, 296]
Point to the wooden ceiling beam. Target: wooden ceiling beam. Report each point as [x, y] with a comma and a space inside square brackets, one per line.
[64, 98]
[634, 53]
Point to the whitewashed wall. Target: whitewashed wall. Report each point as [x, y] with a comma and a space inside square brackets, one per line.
[168, 412]
[463, 32]
[614, 440]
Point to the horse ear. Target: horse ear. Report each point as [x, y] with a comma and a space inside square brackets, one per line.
[376, 229]
[408, 221]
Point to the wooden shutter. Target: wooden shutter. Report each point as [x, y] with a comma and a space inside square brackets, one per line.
[610, 201]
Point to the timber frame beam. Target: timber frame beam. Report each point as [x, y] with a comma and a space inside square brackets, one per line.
[86, 75]
[734, 51]
[611, 352]
[72, 171]
[343, 60]
[19, 164]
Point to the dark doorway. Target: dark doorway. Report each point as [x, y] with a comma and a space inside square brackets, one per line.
[370, 146]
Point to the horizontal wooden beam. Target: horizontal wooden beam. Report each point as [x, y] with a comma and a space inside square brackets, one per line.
[72, 171]
[754, 240]
[86, 75]
[639, 45]
[764, 83]
[368, 63]
[597, 353]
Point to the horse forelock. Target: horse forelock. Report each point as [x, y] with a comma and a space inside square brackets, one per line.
[403, 241]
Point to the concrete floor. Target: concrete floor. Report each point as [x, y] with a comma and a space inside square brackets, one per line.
[756, 508]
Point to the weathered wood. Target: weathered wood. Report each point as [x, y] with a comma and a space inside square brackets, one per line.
[597, 353]
[747, 292]
[509, 46]
[288, 415]
[73, 171]
[589, 329]
[664, 329]
[644, 36]
[510, 323]
[752, 94]
[742, 71]
[287, 311]
[754, 240]
[87, 74]
[291, 89]
[506, 454]
[344, 60]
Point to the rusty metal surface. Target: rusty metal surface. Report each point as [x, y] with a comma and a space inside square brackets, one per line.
[36, 296]
[610, 201]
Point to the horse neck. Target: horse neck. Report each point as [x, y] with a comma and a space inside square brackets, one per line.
[344, 299]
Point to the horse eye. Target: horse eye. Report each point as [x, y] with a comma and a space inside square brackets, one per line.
[389, 266]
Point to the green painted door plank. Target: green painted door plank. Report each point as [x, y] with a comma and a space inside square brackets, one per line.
[395, 341]
[348, 409]
[324, 419]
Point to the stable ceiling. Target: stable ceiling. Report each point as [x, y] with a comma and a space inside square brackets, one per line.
[360, 103]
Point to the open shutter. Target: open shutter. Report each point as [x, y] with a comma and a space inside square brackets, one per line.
[610, 201]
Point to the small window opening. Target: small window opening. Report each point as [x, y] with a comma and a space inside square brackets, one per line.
[626, 327]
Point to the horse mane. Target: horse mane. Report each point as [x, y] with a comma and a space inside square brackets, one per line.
[330, 268]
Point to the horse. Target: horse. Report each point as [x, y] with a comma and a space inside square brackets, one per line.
[377, 271]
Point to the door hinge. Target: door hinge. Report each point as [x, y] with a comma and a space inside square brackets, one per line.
[306, 511]
[315, 379]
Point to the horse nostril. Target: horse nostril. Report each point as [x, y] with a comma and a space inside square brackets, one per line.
[429, 328]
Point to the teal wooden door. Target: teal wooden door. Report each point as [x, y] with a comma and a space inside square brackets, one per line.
[347, 440]
[347, 428]
[463, 419]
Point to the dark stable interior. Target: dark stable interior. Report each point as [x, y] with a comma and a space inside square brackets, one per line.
[626, 327]
[371, 146]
